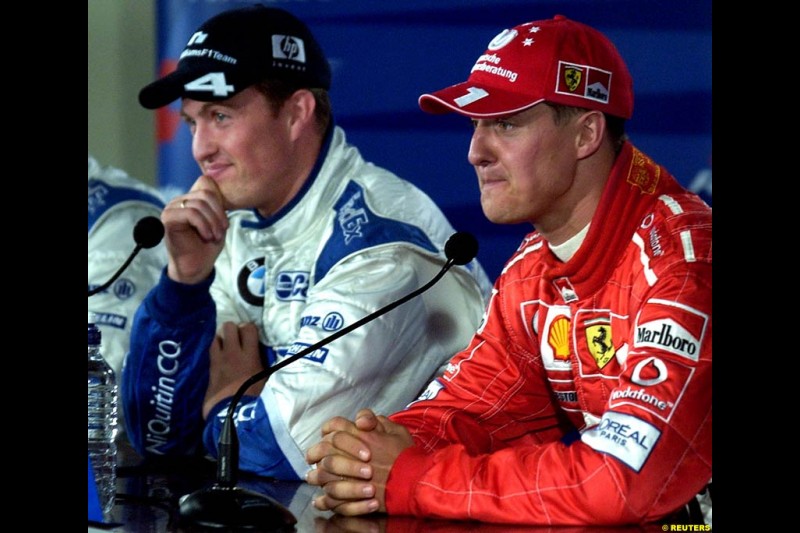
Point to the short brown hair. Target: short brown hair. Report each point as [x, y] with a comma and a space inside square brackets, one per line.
[278, 91]
[614, 125]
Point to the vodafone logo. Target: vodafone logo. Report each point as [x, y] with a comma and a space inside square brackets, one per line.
[642, 396]
[649, 372]
[654, 385]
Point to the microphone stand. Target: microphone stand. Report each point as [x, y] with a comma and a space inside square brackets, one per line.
[113, 278]
[225, 505]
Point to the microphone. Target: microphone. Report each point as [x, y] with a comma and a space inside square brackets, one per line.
[223, 505]
[147, 233]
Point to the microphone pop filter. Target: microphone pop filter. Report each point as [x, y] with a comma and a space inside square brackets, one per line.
[461, 247]
[148, 232]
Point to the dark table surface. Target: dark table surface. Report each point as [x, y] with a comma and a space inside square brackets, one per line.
[148, 494]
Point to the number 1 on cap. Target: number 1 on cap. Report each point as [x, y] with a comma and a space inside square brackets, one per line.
[473, 94]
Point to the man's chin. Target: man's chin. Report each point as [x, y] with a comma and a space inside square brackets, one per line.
[230, 203]
[497, 215]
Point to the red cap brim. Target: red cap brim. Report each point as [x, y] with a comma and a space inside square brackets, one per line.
[475, 100]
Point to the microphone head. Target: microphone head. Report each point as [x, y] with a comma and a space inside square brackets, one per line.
[148, 232]
[461, 247]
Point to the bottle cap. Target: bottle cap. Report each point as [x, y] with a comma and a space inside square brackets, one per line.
[94, 334]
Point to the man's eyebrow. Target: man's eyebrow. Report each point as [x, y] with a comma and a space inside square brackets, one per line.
[203, 109]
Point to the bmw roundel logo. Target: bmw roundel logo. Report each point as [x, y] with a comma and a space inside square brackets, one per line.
[252, 282]
[255, 282]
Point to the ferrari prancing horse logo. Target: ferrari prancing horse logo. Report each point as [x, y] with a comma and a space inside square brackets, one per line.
[598, 339]
[572, 76]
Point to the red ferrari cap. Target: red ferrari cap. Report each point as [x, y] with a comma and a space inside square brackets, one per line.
[558, 60]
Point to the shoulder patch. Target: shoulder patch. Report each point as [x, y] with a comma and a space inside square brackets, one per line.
[671, 326]
[357, 227]
[103, 196]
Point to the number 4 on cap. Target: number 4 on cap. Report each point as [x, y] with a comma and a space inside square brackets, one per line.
[213, 82]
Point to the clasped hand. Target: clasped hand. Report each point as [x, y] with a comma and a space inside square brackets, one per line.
[353, 461]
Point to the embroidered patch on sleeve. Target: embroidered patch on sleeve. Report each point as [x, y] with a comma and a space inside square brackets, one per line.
[626, 437]
[671, 326]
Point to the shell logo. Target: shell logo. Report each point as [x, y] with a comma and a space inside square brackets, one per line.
[558, 339]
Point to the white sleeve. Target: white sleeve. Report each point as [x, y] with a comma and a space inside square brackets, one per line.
[383, 364]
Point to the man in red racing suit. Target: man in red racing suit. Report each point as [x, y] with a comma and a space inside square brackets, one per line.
[616, 345]
[585, 396]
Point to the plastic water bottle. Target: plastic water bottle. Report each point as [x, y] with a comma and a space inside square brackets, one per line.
[102, 421]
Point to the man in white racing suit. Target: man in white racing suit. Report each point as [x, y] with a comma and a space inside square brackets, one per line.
[287, 237]
[117, 201]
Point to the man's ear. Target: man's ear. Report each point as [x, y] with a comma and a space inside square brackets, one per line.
[300, 109]
[591, 132]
